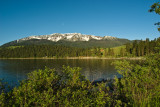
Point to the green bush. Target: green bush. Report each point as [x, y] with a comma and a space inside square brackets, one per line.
[140, 85]
[49, 88]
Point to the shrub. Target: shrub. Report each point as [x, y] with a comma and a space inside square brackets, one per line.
[140, 85]
[50, 88]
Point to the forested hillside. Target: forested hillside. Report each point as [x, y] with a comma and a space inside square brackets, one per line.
[137, 48]
[139, 87]
[142, 48]
[80, 44]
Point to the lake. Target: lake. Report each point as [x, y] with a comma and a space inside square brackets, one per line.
[14, 70]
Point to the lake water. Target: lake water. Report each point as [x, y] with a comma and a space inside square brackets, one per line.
[14, 70]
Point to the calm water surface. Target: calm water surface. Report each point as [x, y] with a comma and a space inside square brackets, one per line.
[14, 70]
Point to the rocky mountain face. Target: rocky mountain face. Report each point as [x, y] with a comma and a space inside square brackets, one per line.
[68, 37]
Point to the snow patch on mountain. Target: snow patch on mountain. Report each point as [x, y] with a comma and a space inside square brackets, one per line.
[96, 37]
[68, 37]
[109, 37]
[86, 38]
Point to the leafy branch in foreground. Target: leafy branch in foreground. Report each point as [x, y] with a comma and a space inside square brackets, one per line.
[140, 85]
[50, 88]
[156, 8]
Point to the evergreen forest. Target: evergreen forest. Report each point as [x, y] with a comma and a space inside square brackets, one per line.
[135, 49]
[138, 87]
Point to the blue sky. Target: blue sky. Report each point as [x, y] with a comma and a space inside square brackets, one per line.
[119, 18]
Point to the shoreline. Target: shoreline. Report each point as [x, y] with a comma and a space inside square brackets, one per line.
[128, 58]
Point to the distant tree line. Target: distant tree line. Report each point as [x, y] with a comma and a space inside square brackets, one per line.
[142, 48]
[137, 48]
[43, 51]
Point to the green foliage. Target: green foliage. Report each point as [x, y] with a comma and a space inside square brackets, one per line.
[140, 85]
[118, 49]
[156, 8]
[43, 51]
[50, 51]
[137, 48]
[50, 88]
[142, 48]
[2, 94]
[13, 47]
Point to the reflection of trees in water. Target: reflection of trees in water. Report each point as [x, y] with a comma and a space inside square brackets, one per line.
[98, 68]
[93, 69]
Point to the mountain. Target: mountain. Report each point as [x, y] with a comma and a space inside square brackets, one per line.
[70, 39]
[67, 37]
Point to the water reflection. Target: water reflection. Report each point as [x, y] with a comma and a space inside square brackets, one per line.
[93, 69]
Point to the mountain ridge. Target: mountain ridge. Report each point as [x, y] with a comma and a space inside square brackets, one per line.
[69, 39]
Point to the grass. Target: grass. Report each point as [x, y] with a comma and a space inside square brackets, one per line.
[118, 49]
[13, 47]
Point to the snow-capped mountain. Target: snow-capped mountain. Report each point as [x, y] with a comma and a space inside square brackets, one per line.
[68, 37]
